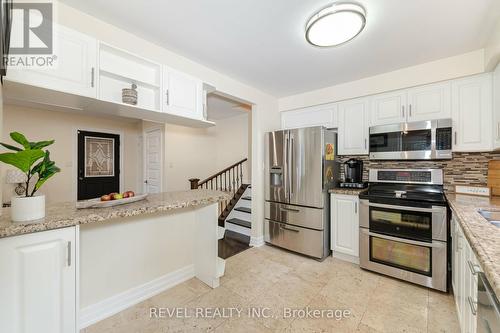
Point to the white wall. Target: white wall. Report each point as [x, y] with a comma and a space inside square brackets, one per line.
[40, 125]
[440, 70]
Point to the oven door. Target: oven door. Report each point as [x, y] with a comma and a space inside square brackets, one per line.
[422, 263]
[417, 223]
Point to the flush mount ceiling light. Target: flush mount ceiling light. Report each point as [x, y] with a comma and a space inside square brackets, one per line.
[335, 24]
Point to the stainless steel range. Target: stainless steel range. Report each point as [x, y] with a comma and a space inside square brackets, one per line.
[403, 226]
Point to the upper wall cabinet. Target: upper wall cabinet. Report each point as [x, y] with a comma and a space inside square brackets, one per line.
[353, 127]
[429, 102]
[182, 94]
[496, 107]
[389, 108]
[472, 113]
[119, 69]
[324, 115]
[75, 66]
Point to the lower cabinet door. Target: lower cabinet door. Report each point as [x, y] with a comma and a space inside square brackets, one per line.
[38, 280]
[344, 210]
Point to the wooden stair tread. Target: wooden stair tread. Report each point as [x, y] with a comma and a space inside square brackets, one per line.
[240, 222]
[247, 197]
[244, 209]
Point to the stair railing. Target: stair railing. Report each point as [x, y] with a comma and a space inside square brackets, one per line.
[228, 180]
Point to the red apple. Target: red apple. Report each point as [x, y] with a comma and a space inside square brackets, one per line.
[106, 197]
[130, 194]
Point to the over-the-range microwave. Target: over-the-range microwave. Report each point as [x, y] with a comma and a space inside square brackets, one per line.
[422, 140]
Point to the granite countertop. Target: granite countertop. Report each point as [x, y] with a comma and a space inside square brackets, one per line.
[347, 191]
[483, 237]
[60, 215]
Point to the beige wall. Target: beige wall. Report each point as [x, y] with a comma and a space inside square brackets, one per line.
[202, 152]
[42, 125]
[492, 48]
[440, 70]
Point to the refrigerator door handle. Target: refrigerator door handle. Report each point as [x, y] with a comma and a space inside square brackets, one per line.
[290, 166]
[285, 167]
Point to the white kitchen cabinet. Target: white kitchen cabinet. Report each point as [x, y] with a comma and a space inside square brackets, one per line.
[464, 279]
[75, 66]
[183, 94]
[38, 282]
[344, 226]
[432, 101]
[496, 107]
[353, 127]
[324, 115]
[389, 108]
[472, 113]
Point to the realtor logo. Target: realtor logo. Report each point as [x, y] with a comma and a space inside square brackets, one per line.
[32, 28]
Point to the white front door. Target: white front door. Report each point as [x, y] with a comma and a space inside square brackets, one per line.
[153, 161]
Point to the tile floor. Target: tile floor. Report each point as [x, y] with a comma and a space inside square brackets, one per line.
[273, 280]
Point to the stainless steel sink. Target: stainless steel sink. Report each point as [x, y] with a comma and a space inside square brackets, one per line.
[491, 216]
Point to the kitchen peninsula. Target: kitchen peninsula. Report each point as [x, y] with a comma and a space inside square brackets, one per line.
[78, 266]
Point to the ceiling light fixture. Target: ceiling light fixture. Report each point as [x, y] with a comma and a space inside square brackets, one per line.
[335, 24]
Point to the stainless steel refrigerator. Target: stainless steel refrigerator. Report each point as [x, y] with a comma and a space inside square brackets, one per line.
[301, 165]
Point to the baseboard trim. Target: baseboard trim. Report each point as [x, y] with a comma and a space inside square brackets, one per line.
[257, 241]
[114, 304]
[346, 257]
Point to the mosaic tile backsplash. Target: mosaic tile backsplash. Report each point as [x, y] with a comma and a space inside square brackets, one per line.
[463, 169]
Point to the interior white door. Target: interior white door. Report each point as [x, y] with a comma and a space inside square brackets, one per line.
[345, 224]
[353, 127]
[429, 102]
[153, 161]
[38, 282]
[75, 65]
[389, 108]
[183, 95]
[472, 113]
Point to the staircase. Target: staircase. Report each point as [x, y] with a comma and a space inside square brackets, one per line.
[235, 215]
[239, 218]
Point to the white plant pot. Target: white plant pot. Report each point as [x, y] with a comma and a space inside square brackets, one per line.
[27, 208]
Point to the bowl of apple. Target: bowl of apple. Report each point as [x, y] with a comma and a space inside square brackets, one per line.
[111, 199]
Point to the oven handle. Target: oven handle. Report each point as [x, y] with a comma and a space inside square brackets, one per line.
[415, 209]
[402, 240]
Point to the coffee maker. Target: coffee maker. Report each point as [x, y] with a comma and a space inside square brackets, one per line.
[353, 174]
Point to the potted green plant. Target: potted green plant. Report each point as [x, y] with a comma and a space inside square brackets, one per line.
[35, 163]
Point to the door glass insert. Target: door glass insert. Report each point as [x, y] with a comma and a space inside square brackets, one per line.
[385, 142]
[413, 258]
[417, 140]
[401, 223]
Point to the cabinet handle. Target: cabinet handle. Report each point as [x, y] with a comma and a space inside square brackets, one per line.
[498, 130]
[472, 305]
[168, 98]
[92, 77]
[355, 207]
[403, 108]
[68, 246]
[410, 109]
[365, 143]
[473, 268]
[455, 137]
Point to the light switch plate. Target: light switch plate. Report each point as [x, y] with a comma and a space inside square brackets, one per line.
[473, 190]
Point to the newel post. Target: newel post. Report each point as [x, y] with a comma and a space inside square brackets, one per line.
[194, 183]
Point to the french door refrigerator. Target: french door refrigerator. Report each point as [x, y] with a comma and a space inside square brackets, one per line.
[300, 167]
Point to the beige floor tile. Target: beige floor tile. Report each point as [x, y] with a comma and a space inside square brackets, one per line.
[273, 279]
[442, 313]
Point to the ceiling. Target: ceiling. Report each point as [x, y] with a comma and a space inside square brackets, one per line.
[219, 107]
[261, 42]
